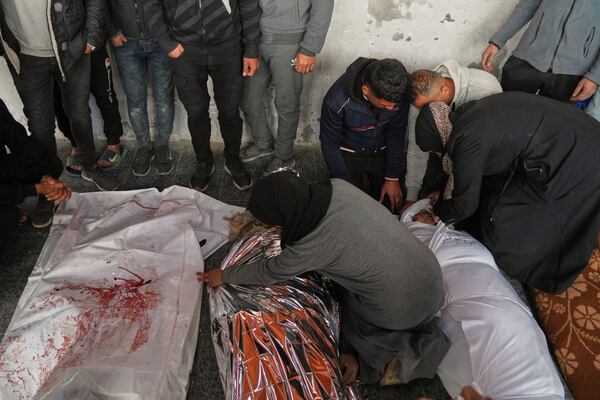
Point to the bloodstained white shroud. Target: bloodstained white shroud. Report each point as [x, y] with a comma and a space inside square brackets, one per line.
[112, 307]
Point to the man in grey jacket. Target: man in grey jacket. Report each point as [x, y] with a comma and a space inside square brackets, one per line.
[453, 84]
[559, 53]
[292, 33]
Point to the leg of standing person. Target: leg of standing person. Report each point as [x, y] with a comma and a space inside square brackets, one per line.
[559, 86]
[76, 94]
[190, 77]
[131, 60]
[519, 75]
[102, 87]
[73, 164]
[253, 105]
[162, 90]
[288, 89]
[357, 165]
[227, 85]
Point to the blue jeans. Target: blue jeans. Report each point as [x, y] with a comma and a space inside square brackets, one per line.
[133, 58]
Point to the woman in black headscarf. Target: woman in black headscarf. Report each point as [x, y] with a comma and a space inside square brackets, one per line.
[524, 174]
[390, 283]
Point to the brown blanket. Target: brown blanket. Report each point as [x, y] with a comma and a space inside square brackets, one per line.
[571, 321]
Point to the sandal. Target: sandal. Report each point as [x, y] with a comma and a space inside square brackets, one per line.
[115, 159]
[73, 160]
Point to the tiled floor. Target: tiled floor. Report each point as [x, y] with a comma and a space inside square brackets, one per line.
[19, 254]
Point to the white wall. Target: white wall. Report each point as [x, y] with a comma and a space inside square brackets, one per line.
[420, 33]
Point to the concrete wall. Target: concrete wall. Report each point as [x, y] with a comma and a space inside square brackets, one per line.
[420, 33]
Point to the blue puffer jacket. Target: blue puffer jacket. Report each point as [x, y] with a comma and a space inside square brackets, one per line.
[349, 121]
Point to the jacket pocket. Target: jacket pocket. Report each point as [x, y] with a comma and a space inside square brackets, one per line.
[589, 41]
[537, 30]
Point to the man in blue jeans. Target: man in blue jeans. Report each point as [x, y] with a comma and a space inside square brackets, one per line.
[134, 50]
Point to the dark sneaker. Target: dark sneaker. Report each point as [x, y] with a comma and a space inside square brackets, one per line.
[201, 177]
[104, 180]
[142, 163]
[43, 213]
[278, 164]
[253, 152]
[164, 160]
[241, 178]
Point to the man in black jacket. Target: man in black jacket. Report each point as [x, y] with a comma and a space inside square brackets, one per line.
[48, 39]
[27, 171]
[216, 38]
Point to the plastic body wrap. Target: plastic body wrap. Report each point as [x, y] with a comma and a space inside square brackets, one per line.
[276, 342]
[112, 307]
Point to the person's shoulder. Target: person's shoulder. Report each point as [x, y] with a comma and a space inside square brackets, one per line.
[336, 97]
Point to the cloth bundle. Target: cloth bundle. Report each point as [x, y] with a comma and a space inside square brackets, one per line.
[112, 307]
[277, 342]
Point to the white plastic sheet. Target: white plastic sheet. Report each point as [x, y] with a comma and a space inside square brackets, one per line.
[495, 341]
[112, 307]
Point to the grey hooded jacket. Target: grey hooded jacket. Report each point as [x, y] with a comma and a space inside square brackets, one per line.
[303, 22]
[563, 36]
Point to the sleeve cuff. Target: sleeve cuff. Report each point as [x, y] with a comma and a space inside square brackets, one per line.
[251, 50]
[412, 193]
[167, 44]
[307, 52]
[28, 190]
[593, 77]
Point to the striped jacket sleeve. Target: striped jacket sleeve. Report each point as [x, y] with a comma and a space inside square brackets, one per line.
[250, 13]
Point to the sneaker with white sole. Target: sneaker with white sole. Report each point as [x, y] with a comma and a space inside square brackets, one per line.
[253, 152]
[201, 177]
[104, 180]
[278, 164]
[43, 213]
[241, 178]
[164, 162]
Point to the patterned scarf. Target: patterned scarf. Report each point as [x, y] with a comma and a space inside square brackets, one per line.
[441, 116]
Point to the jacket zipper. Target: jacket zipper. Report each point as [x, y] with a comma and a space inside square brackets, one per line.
[588, 42]
[562, 34]
[537, 30]
[203, 31]
[53, 39]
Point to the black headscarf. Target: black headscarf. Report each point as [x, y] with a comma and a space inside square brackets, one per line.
[427, 135]
[288, 201]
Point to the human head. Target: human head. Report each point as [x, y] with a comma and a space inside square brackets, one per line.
[433, 127]
[385, 83]
[428, 86]
[283, 199]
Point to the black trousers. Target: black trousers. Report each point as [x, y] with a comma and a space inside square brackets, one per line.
[519, 75]
[35, 84]
[367, 170]
[11, 173]
[191, 72]
[102, 87]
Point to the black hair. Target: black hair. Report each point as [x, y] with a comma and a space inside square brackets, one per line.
[388, 79]
[421, 82]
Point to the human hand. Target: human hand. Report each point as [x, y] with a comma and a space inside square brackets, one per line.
[585, 89]
[251, 65]
[88, 49]
[434, 197]
[118, 40]
[488, 56]
[53, 189]
[349, 366]
[211, 278]
[177, 51]
[392, 190]
[305, 64]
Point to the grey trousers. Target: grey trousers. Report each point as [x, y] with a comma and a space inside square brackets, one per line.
[275, 69]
